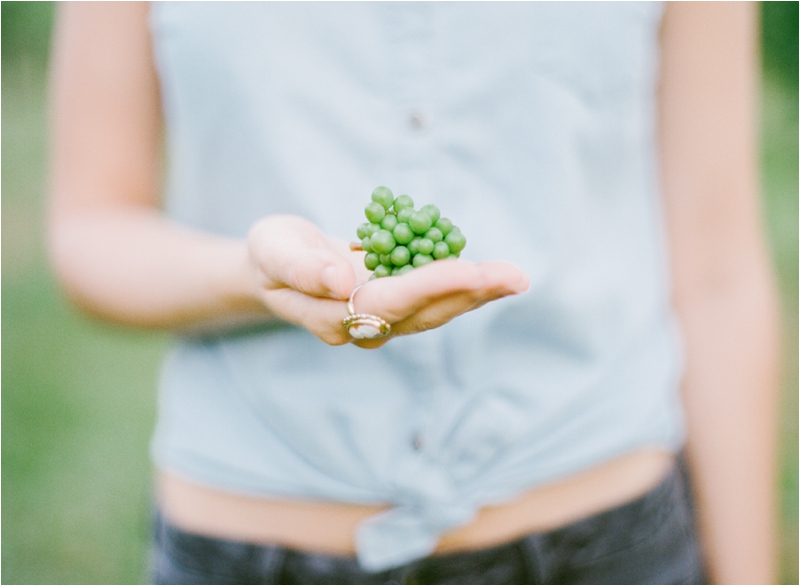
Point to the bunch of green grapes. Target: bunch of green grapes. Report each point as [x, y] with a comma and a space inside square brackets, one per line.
[397, 238]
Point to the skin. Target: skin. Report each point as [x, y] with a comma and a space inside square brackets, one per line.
[724, 290]
[119, 258]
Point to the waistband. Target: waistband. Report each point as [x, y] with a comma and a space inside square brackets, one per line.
[332, 528]
[648, 537]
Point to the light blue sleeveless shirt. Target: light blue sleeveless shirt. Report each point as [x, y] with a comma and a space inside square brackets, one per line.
[532, 126]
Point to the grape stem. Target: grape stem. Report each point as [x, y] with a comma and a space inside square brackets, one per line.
[355, 246]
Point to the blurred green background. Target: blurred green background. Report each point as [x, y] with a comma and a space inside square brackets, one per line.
[78, 395]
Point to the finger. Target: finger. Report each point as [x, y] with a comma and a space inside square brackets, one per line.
[373, 344]
[435, 315]
[397, 298]
[443, 311]
[314, 271]
[356, 258]
[322, 317]
[498, 282]
[292, 252]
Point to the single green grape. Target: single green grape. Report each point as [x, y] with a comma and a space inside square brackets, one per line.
[434, 235]
[420, 222]
[441, 250]
[400, 256]
[382, 271]
[383, 196]
[413, 246]
[432, 211]
[397, 271]
[421, 259]
[361, 233]
[425, 246]
[456, 241]
[374, 211]
[403, 234]
[386, 259]
[382, 242]
[371, 260]
[366, 244]
[403, 202]
[367, 229]
[389, 222]
[453, 256]
[444, 225]
[404, 215]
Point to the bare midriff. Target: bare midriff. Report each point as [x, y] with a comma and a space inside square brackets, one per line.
[328, 527]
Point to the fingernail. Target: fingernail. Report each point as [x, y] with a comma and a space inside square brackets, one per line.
[329, 280]
[523, 285]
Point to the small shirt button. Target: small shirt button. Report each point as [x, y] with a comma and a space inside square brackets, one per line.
[417, 442]
[417, 121]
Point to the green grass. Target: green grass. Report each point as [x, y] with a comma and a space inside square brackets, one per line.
[78, 396]
[780, 181]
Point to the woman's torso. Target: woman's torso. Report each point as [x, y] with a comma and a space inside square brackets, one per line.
[532, 126]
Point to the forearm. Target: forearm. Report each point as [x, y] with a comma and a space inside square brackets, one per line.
[730, 393]
[131, 265]
[723, 288]
[113, 252]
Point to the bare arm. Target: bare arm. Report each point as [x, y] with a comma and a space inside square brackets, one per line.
[115, 254]
[723, 286]
[118, 257]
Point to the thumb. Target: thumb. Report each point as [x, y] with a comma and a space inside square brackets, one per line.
[292, 252]
[315, 271]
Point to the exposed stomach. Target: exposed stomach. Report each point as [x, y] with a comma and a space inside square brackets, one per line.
[329, 527]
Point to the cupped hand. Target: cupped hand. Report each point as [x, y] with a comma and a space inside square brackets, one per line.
[306, 278]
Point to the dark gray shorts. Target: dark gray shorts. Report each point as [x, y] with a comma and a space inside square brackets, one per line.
[650, 540]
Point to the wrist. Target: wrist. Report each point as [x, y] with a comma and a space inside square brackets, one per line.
[234, 290]
[240, 284]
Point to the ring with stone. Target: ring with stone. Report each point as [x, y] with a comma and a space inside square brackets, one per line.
[363, 326]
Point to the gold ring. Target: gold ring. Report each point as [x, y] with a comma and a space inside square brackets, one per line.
[364, 325]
